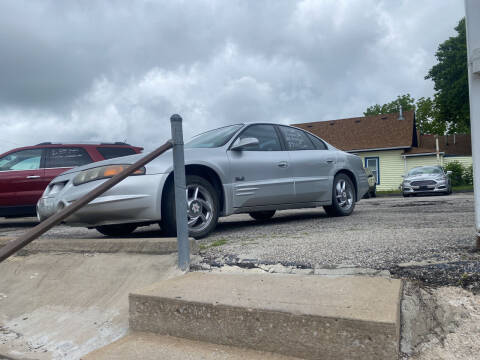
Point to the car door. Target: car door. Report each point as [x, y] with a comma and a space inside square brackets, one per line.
[260, 174]
[21, 178]
[312, 164]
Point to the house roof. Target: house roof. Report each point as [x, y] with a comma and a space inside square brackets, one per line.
[455, 144]
[367, 133]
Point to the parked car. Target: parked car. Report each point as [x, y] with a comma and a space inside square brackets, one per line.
[254, 168]
[26, 172]
[426, 179]
[372, 184]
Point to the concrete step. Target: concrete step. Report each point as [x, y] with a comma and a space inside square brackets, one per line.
[306, 316]
[147, 346]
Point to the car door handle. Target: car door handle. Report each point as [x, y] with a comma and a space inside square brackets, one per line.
[283, 164]
[33, 177]
[329, 161]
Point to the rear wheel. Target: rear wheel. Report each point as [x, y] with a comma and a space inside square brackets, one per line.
[116, 230]
[202, 207]
[262, 215]
[343, 197]
[373, 193]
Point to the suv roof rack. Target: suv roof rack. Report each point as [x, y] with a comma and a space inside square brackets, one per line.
[84, 143]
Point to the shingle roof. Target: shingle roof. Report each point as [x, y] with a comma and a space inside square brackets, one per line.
[369, 132]
[457, 144]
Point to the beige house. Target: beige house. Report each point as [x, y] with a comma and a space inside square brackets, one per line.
[390, 144]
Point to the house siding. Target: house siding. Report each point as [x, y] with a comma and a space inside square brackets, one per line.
[427, 160]
[391, 166]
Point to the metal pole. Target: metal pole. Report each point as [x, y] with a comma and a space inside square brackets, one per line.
[44, 226]
[472, 11]
[180, 193]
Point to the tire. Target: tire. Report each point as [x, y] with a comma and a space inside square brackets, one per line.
[116, 230]
[262, 215]
[367, 195]
[405, 195]
[343, 197]
[205, 203]
[373, 194]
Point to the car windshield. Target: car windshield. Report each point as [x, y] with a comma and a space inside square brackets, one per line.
[425, 170]
[213, 138]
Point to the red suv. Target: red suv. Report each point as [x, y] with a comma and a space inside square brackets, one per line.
[25, 172]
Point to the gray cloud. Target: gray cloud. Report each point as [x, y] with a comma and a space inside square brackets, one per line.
[76, 70]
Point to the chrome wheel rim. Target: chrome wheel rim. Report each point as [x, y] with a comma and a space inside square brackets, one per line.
[344, 194]
[200, 207]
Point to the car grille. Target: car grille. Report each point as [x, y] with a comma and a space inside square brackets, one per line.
[423, 183]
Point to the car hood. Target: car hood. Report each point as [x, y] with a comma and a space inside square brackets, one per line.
[161, 164]
[425, 177]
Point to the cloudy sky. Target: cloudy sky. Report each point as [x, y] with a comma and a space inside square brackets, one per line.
[116, 70]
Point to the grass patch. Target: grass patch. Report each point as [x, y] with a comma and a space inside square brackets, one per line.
[215, 243]
[463, 188]
[389, 192]
[219, 242]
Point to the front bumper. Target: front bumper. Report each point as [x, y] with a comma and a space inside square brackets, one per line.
[438, 188]
[135, 199]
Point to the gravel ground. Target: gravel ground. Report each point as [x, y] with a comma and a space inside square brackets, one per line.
[428, 238]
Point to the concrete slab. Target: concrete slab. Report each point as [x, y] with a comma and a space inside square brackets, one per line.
[306, 316]
[64, 305]
[158, 246]
[147, 346]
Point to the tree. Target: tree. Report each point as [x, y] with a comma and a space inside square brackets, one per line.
[426, 117]
[450, 77]
[426, 112]
[406, 101]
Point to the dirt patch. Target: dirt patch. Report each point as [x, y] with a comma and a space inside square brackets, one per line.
[440, 323]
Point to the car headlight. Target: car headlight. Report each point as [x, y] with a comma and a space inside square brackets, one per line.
[103, 172]
[441, 182]
[406, 182]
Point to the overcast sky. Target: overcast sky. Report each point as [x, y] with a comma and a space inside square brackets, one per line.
[116, 70]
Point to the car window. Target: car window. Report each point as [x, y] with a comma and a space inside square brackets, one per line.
[319, 144]
[213, 138]
[296, 139]
[66, 157]
[267, 138]
[21, 160]
[113, 152]
[426, 170]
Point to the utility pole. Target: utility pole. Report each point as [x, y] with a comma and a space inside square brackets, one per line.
[472, 11]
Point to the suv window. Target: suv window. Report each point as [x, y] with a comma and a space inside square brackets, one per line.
[296, 139]
[66, 157]
[113, 152]
[267, 138]
[21, 160]
[319, 144]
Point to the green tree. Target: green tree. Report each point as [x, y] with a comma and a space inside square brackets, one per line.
[406, 101]
[450, 77]
[426, 116]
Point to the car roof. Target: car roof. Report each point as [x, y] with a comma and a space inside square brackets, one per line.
[75, 144]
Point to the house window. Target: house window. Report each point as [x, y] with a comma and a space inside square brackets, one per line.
[372, 163]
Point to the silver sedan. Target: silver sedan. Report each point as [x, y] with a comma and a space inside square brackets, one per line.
[426, 179]
[255, 168]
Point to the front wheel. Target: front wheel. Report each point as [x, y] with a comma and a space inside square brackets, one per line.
[202, 208]
[116, 230]
[343, 197]
[262, 215]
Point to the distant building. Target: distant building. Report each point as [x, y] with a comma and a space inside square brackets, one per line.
[390, 145]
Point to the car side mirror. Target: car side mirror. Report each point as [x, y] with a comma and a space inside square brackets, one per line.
[403, 176]
[245, 143]
[449, 172]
